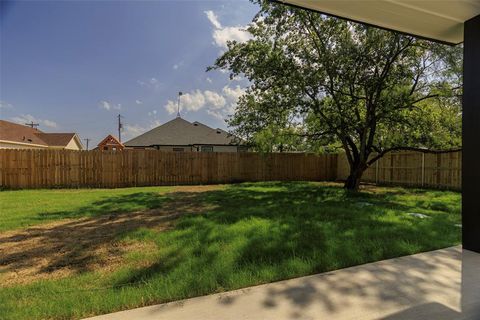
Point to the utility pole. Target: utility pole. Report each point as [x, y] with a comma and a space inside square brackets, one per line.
[87, 140]
[178, 104]
[33, 125]
[120, 127]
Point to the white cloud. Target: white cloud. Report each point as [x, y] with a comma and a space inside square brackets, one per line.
[221, 35]
[178, 65]
[238, 78]
[216, 100]
[213, 19]
[192, 101]
[209, 80]
[105, 105]
[109, 106]
[49, 123]
[131, 131]
[216, 104]
[28, 118]
[216, 114]
[152, 83]
[233, 93]
[171, 107]
[5, 105]
[138, 102]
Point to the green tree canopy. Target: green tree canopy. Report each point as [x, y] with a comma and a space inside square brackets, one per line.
[339, 83]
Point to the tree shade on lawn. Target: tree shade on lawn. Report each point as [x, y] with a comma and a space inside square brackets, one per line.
[246, 234]
[470, 17]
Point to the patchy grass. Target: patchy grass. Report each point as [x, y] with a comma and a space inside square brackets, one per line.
[195, 242]
[23, 208]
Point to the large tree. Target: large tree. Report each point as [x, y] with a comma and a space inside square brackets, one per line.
[366, 90]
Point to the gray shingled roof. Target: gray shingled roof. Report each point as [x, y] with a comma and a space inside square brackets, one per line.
[180, 132]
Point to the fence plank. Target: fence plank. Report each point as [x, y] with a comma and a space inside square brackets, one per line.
[129, 168]
[415, 169]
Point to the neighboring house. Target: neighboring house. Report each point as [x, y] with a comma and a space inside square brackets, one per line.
[110, 143]
[17, 136]
[179, 135]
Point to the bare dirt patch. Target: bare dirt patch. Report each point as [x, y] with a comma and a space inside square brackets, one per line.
[69, 246]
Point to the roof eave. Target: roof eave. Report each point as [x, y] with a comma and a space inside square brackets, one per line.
[417, 35]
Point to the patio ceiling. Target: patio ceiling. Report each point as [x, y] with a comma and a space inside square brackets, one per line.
[440, 20]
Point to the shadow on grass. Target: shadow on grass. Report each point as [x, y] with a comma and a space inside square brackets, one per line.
[260, 234]
[84, 244]
[111, 205]
[226, 239]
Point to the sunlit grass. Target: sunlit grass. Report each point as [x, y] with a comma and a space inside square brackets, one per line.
[25, 208]
[254, 233]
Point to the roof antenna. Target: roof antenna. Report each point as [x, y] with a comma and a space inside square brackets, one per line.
[178, 104]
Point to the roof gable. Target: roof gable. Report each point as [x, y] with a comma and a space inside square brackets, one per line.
[110, 140]
[56, 139]
[14, 132]
[182, 132]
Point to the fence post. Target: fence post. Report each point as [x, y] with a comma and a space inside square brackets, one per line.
[376, 171]
[423, 169]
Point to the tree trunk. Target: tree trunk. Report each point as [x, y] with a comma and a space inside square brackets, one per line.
[353, 181]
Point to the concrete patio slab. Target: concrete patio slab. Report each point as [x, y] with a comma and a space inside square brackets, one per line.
[440, 285]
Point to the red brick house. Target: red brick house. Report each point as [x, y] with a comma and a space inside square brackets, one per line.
[110, 143]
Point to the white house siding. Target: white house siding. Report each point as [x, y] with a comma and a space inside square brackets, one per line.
[73, 145]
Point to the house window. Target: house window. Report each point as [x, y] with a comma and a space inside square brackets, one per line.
[105, 148]
[178, 150]
[207, 149]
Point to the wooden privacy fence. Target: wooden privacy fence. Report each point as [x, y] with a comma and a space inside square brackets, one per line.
[128, 168]
[416, 169]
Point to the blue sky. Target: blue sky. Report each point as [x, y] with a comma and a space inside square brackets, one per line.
[72, 66]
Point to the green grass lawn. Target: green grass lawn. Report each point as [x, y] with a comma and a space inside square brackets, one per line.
[248, 234]
[22, 208]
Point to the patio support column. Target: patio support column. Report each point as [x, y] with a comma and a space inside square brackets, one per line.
[471, 136]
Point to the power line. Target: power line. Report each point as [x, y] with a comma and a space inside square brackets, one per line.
[120, 127]
[87, 140]
[33, 125]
